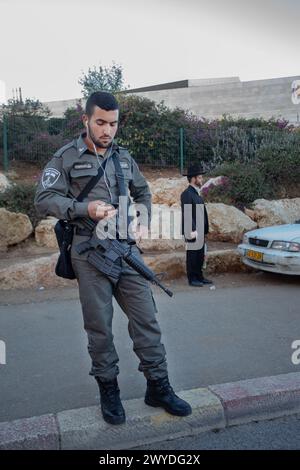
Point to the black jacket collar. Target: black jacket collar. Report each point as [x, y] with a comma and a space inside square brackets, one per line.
[191, 188]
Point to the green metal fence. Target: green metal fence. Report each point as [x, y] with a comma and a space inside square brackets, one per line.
[30, 139]
[35, 139]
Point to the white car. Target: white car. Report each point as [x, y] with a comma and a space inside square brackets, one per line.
[275, 248]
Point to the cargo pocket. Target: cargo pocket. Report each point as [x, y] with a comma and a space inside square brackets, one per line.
[154, 303]
[80, 177]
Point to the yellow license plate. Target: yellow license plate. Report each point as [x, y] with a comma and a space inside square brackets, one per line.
[256, 255]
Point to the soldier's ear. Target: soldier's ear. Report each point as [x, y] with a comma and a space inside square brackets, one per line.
[85, 120]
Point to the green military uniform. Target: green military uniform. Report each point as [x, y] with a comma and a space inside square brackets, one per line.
[64, 177]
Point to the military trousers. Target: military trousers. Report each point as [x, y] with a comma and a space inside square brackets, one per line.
[134, 296]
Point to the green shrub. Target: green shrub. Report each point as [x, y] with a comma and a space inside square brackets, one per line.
[20, 198]
[246, 183]
[280, 160]
[151, 132]
[273, 171]
[220, 194]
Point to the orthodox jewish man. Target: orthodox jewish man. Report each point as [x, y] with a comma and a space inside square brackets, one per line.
[194, 226]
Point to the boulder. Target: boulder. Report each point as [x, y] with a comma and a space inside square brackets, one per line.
[275, 212]
[165, 229]
[40, 271]
[14, 228]
[35, 273]
[4, 183]
[223, 261]
[227, 223]
[171, 264]
[167, 190]
[161, 245]
[44, 233]
[250, 213]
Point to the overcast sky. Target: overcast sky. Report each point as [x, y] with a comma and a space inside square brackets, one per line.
[45, 45]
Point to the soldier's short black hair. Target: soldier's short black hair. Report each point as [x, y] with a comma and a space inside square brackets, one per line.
[102, 99]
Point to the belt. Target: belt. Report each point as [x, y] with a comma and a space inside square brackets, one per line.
[83, 232]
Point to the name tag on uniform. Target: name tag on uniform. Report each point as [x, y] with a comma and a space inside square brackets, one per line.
[124, 165]
[83, 166]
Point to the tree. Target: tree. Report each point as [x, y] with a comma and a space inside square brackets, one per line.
[29, 107]
[27, 130]
[104, 78]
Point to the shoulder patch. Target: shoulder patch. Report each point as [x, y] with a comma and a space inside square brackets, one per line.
[50, 176]
[124, 164]
[60, 151]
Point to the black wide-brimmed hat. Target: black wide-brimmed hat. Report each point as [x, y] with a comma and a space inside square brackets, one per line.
[194, 170]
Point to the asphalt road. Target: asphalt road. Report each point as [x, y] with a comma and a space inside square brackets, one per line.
[242, 329]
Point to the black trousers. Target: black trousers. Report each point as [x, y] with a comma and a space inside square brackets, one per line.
[194, 263]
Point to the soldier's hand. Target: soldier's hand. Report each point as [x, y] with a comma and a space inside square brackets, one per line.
[99, 210]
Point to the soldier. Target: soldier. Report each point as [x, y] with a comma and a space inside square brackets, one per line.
[63, 179]
[191, 198]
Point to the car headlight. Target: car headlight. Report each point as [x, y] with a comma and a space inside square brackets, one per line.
[245, 239]
[294, 246]
[286, 246]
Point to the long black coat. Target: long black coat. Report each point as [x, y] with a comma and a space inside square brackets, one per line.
[191, 196]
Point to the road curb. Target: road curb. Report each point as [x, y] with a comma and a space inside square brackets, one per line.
[38, 432]
[215, 407]
[85, 429]
[260, 398]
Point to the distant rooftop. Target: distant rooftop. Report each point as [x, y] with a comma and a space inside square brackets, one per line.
[185, 84]
[213, 97]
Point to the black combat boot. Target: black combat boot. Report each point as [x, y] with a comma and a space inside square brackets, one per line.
[111, 406]
[160, 393]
